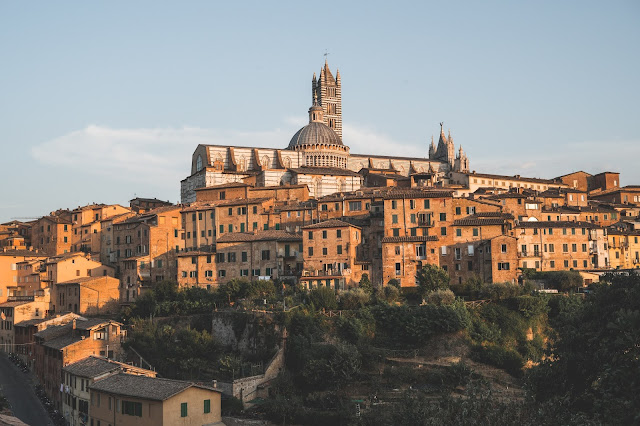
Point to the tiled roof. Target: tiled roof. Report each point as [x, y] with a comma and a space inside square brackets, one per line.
[242, 201]
[412, 193]
[523, 179]
[556, 224]
[494, 214]
[331, 223]
[14, 304]
[475, 221]
[22, 253]
[269, 235]
[415, 239]
[143, 387]
[92, 367]
[62, 341]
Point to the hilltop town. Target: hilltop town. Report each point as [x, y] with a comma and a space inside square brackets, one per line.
[306, 217]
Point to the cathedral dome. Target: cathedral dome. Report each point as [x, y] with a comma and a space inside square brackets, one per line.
[315, 133]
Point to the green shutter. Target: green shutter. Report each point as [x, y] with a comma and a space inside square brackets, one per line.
[207, 406]
[183, 409]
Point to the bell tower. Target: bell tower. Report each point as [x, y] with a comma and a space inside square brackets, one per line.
[328, 92]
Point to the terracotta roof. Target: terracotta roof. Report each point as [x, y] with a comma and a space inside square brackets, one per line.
[475, 221]
[23, 253]
[494, 214]
[242, 201]
[14, 303]
[93, 366]
[269, 235]
[556, 224]
[331, 223]
[415, 239]
[143, 387]
[413, 193]
[503, 177]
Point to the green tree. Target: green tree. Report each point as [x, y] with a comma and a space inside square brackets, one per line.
[431, 278]
[365, 283]
[323, 298]
[595, 358]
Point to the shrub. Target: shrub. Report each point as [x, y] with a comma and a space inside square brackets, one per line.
[323, 298]
[498, 356]
[231, 406]
[354, 299]
[441, 297]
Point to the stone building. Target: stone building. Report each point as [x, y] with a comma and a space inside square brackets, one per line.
[269, 254]
[59, 345]
[86, 295]
[332, 250]
[78, 378]
[316, 155]
[555, 246]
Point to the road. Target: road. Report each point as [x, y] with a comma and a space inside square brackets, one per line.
[17, 387]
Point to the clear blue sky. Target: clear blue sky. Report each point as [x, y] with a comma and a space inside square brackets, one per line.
[101, 101]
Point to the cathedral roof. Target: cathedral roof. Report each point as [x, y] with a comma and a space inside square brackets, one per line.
[314, 133]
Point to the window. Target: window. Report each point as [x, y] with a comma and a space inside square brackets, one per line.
[503, 266]
[398, 269]
[230, 211]
[458, 210]
[310, 251]
[266, 254]
[396, 232]
[427, 204]
[244, 272]
[183, 409]
[324, 235]
[551, 248]
[324, 251]
[394, 218]
[339, 249]
[355, 205]
[243, 256]
[443, 216]
[397, 250]
[457, 253]
[132, 408]
[565, 248]
[256, 272]
[230, 228]
[311, 235]
[475, 232]
[207, 406]
[458, 232]
[208, 274]
[231, 257]
[339, 233]
[394, 204]
[574, 248]
[443, 230]
[552, 263]
[222, 273]
[470, 250]
[503, 248]
[471, 210]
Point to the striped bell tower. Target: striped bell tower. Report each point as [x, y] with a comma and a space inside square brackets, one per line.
[328, 91]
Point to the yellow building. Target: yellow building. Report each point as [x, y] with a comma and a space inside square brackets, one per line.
[124, 399]
[624, 249]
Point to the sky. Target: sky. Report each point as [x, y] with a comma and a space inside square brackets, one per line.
[105, 101]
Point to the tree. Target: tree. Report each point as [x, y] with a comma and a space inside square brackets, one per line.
[323, 298]
[595, 359]
[431, 278]
[365, 283]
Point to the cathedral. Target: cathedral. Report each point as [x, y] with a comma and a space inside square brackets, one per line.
[316, 155]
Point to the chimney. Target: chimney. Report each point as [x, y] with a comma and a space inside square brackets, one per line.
[215, 384]
[73, 324]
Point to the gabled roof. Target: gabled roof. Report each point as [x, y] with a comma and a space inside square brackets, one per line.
[143, 387]
[476, 221]
[92, 367]
[556, 224]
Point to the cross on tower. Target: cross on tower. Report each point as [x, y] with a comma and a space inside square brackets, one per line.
[326, 54]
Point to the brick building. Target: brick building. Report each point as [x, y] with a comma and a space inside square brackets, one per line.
[86, 295]
[273, 254]
[59, 345]
[52, 235]
[331, 251]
